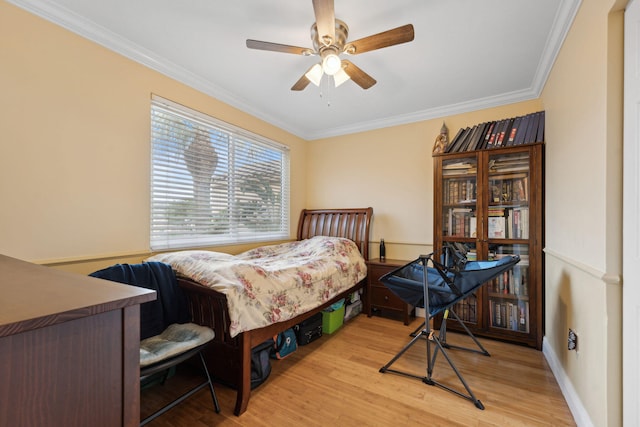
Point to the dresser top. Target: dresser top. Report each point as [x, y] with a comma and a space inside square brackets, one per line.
[33, 296]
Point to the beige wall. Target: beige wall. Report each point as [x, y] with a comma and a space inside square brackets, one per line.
[583, 101]
[74, 126]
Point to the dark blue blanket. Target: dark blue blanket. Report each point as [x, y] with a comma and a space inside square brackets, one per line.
[171, 304]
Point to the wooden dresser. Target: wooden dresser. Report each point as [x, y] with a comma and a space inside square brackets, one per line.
[380, 298]
[69, 348]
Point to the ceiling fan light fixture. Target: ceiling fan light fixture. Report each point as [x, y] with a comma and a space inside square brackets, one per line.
[314, 74]
[331, 64]
[340, 77]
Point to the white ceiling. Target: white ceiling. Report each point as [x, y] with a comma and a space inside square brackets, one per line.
[467, 54]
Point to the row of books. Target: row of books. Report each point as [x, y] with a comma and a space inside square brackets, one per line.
[510, 315]
[457, 191]
[512, 162]
[460, 222]
[466, 309]
[508, 223]
[464, 191]
[509, 190]
[500, 133]
[459, 167]
[514, 282]
[502, 222]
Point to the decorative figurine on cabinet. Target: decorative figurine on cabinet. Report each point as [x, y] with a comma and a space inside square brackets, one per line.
[442, 140]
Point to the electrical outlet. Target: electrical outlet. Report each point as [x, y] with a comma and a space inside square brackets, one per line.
[572, 341]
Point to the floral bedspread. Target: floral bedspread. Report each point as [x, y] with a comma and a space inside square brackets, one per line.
[274, 283]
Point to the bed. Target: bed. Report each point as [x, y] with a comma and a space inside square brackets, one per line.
[229, 355]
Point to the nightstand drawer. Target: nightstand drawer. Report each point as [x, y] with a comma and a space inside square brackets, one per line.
[376, 272]
[382, 297]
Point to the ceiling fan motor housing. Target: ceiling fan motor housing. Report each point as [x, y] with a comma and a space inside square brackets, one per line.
[342, 31]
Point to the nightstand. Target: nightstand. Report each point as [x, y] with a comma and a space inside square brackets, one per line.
[379, 297]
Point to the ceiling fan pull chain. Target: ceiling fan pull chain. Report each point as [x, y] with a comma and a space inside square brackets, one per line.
[328, 91]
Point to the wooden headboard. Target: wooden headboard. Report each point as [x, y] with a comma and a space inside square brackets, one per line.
[350, 223]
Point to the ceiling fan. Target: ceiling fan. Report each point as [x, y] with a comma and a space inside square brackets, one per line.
[329, 36]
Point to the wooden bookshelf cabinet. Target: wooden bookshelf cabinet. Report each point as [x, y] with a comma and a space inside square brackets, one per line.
[492, 201]
[380, 299]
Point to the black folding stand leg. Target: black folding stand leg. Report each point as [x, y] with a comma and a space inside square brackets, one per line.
[428, 380]
[443, 336]
[431, 360]
[417, 330]
[385, 368]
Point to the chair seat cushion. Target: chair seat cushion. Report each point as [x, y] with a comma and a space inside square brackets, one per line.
[174, 340]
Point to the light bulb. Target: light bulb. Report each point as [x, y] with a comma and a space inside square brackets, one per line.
[331, 64]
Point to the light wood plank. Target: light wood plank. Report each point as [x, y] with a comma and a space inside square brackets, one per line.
[335, 381]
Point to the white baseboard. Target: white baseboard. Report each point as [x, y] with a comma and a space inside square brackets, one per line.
[580, 415]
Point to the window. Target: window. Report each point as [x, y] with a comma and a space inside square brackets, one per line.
[213, 183]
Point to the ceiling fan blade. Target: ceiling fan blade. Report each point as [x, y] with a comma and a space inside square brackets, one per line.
[388, 38]
[276, 47]
[364, 80]
[325, 21]
[303, 82]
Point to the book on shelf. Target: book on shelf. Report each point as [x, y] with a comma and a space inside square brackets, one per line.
[532, 129]
[473, 229]
[492, 136]
[496, 227]
[509, 190]
[455, 145]
[540, 132]
[467, 139]
[487, 134]
[459, 222]
[522, 130]
[514, 222]
[513, 316]
[513, 132]
[459, 168]
[459, 191]
[466, 310]
[447, 149]
[513, 283]
[504, 132]
[476, 137]
[495, 134]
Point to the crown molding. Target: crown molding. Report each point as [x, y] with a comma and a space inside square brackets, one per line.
[112, 41]
[428, 114]
[561, 25]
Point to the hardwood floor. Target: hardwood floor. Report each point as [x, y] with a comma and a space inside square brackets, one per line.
[336, 381]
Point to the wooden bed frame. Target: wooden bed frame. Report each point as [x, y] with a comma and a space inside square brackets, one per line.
[229, 359]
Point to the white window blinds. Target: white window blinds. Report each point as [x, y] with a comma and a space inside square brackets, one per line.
[213, 183]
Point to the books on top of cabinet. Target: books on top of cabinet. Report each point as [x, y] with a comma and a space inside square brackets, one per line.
[527, 129]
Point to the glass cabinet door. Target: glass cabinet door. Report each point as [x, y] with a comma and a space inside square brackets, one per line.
[507, 228]
[459, 219]
[508, 294]
[459, 187]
